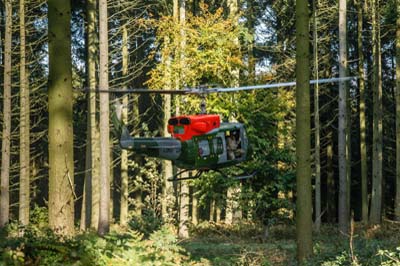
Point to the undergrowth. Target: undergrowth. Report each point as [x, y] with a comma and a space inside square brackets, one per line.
[253, 244]
[42, 247]
[210, 244]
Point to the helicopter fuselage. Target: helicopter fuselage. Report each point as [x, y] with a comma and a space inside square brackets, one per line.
[199, 143]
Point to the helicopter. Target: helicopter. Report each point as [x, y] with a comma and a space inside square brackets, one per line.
[198, 142]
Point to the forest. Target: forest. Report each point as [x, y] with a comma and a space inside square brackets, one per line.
[321, 181]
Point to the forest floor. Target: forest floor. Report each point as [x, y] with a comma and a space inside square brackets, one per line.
[210, 244]
[250, 245]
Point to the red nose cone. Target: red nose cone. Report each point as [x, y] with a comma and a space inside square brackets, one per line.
[185, 127]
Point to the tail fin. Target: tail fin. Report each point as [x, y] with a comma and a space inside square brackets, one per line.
[117, 122]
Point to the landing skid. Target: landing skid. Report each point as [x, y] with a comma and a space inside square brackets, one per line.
[200, 172]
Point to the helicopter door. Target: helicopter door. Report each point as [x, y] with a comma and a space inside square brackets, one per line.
[234, 144]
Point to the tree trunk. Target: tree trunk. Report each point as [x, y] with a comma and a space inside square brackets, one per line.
[343, 212]
[250, 16]
[195, 207]
[303, 171]
[377, 141]
[86, 197]
[217, 213]
[363, 128]
[93, 183]
[229, 206]
[61, 159]
[124, 153]
[24, 127]
[90, 218]
[212, 210]
[183, 230]
[104, 214]
[6, 137]
[317, 159]
[397, 202]
[138, 203]
[330, 182]
[167, 170]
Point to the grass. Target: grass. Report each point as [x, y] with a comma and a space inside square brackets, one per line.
[245, 244]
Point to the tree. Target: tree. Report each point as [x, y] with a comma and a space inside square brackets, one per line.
[61, 159]
[124, 153]
[92, 187]
[167, 170]
[183, 230]
[104, 214]
[397, 201]
[317, 155]
[24, 126]
[343, 211]
[377, 141]
[233, 209]
[6, 137]
[363, 129]
[303, 171]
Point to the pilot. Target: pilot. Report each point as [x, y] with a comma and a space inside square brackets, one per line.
[232, 145]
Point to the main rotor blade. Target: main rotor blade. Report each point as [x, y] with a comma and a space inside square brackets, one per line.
[143, 91]
[278, 85]
[203, 90]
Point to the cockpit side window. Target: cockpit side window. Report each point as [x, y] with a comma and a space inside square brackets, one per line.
[204, 148]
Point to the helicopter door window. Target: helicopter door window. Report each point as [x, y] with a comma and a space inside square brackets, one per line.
[204, 148]
[218, 145]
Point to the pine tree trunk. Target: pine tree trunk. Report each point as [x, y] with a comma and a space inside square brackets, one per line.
[167, 170]
[343, 212]
[104, 214]
[90, 210]
[212, 210]
[86, 197]
[250, 17]
[376, 196]
[124, 153]
[92, 185]
[24, 127]
[317, 159]
[138, 203]
[217, 213]
[183, 230]
[6, 136]
[397, 201]
[111, 182]
[330, 182]
[61, 159]
[237, 208]
[229, 206]
[195, 207]
[363, 128]
[303, 132]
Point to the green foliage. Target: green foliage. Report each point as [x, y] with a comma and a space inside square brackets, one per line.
[146, 223]
[203, 49]
[42, 247]
[390, 258]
